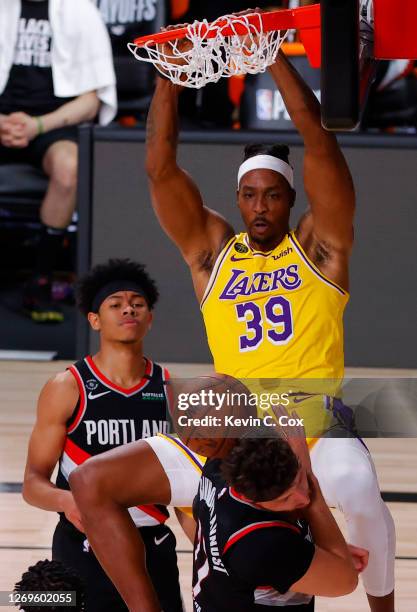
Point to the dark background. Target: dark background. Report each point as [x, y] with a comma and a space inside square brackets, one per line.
[381, 316]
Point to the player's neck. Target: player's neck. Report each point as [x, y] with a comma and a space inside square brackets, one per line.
[124, 365]
[269, 245]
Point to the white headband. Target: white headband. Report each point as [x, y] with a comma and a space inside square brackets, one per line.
[267, 162]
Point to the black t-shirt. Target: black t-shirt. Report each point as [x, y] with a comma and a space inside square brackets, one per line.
[243, 553]
[30, 86]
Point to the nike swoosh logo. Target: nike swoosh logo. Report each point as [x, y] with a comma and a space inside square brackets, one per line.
[91, 396]
[160, 540]
[234, 258]
[298, 400]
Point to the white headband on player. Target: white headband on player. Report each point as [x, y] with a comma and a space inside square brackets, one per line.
[266, 162]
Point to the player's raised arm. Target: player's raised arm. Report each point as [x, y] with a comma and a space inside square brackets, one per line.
[104, 487]
[194, 228]
[327, 179]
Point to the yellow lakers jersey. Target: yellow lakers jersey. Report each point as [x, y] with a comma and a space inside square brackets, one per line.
[273, 315]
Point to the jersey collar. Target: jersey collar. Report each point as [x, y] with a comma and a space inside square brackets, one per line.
[111, 385]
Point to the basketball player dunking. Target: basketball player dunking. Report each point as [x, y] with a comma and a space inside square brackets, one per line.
[273, 299]
[100, 403]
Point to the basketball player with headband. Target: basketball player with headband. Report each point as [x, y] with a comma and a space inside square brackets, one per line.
[103, 402]
[272, 300]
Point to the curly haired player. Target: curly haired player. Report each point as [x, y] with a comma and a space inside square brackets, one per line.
[263, 526]
[100, 403]
[51, 576]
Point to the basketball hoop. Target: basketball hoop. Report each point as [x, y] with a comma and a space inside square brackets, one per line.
[232, 45]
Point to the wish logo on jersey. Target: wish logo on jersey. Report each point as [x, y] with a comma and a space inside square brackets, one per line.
[283, 253]
[242, 283]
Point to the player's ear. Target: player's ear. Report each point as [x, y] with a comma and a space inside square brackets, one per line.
[150, 320]
[94, 320]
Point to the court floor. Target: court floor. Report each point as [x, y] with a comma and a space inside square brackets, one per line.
[26, 532]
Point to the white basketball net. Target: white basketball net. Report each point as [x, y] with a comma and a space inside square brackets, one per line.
[198, 59]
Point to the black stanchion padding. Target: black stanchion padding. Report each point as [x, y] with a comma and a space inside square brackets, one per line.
[340, 64]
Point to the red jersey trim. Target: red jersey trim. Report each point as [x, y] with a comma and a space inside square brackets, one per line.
[108, 383]
[264, 588]
[83, 399]
[169, 396]
[254, 527]
[154, 512]
[75, 453]
[242, 499]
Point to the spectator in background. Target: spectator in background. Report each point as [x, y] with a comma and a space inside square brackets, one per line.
[56, 72]
[126, 21]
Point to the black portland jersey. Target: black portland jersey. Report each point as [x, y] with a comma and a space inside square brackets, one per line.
[107, 416]
[245, 556]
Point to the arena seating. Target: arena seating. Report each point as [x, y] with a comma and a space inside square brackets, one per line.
[135, 80]
[394, 105]
[22, 188]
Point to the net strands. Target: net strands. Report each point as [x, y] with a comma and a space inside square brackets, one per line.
[206, 54]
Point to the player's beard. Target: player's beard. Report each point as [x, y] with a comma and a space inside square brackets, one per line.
[269, 240]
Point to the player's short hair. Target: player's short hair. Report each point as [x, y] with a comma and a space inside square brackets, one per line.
[280, 151]
[260, 469]
[51, 576]
[115, 269]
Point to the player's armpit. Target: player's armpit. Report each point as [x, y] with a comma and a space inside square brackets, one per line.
[328, 576]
